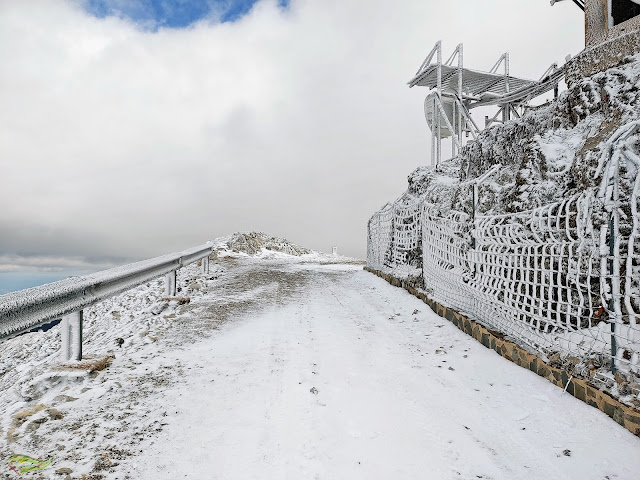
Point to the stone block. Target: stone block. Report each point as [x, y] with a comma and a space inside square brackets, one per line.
[476, 332]
[580, 392]
[543, 370]
[632, 418]
[618, 415]
[523, 360]
[609, 409]
[571, 388]
[467, 327]
[505, 351]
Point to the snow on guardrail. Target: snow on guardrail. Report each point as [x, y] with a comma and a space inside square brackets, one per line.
[26, 309]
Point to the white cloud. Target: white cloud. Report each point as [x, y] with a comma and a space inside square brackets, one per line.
[299, 123]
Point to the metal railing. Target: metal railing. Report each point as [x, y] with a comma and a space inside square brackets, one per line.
[28, 309]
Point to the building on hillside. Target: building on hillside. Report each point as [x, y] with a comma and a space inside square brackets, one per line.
[609, 19]
[612, 32]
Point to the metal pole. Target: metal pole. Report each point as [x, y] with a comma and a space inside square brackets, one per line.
[455, 130]
[170, 281]
[433, 134]
[439, 72]
[205, 265]
[439, 87]
[474, 206]
[65, 348]
[614, 264]
[612, 305]
[506, 112]
[460, 69]
[438, 139]
[72, 336]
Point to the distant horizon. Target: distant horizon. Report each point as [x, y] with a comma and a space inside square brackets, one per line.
[138, 126]
[21, 280]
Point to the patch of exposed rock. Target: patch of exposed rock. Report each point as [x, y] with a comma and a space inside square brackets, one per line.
[253, 243]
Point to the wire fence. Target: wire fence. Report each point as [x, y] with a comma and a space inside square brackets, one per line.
[562, 278]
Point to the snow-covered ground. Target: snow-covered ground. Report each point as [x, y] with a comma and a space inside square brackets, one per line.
[300, 367]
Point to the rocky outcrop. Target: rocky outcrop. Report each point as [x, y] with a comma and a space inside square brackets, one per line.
[253, 243]
[551, 152]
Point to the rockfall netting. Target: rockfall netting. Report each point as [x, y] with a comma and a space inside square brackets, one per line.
[562, 279]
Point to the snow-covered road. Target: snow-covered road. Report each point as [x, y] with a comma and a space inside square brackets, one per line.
[277, 367]
[345, 377]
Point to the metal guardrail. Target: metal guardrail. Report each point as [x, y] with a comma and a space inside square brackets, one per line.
[27, 309]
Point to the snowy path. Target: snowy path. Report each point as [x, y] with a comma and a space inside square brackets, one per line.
[399, 395]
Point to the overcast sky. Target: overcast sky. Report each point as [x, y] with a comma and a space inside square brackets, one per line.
[129, 129]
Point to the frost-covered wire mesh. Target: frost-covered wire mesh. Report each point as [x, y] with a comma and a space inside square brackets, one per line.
[407, 237]
[564, 277]
[445, 257]
[537, 277]
[395, 238]
[379, 237]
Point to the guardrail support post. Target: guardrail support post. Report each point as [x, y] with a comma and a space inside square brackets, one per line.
[205, 265]
[72, 336]
[170, 281]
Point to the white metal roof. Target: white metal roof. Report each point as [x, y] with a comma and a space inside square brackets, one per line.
[474, 83]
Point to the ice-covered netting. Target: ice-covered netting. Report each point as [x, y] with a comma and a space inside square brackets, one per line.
[537, 276]
[445, 257]
[379, 237]
[395, 238]
[564, 277]
[406, 234]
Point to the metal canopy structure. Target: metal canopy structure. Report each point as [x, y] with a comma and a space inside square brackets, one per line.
[455, 90]
[476, 85]
[579, 3]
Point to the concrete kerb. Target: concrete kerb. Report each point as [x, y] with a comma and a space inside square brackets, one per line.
[624, 415]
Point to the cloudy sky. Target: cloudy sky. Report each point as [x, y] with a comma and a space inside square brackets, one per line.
[133, 128]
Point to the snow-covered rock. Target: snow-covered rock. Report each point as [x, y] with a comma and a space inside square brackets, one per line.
[551, 152]
[253, 243]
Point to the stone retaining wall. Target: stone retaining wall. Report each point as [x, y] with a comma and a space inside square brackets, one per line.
[601, 57]
[626, 416]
